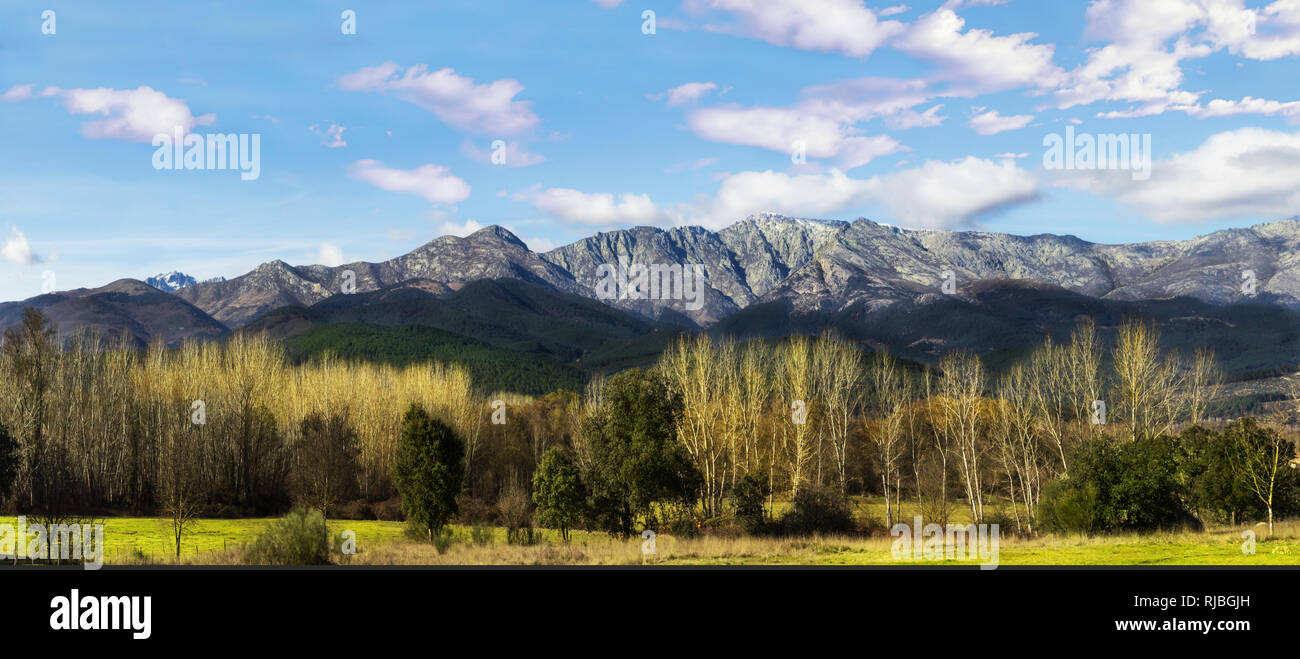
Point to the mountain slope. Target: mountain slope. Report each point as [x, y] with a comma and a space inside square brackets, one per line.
[506, 313]
[125, 306]
[489, 253]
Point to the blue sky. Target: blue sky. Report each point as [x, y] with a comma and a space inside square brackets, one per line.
[928, 114]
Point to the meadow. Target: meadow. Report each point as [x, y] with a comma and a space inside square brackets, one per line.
[145, 541]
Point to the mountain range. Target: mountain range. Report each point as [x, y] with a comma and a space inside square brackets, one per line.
[917, 292]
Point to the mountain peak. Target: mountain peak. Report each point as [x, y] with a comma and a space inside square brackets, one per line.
[170, 281]
[499, 232]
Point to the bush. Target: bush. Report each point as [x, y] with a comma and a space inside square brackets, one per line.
[357, 509]
[474, 511]
[389, 510]
[1064, 508]
[1114, 487]
[748, 496]
[818, 511]
[299, 538]
[516, 514]
[480, 535]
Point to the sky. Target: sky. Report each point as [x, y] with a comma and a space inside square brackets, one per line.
[382, 125]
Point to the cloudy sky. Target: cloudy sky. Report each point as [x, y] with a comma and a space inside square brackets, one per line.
[930, 114]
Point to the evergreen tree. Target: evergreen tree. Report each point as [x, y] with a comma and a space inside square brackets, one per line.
[428, 470]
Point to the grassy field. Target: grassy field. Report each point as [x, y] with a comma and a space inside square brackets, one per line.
[136, 540]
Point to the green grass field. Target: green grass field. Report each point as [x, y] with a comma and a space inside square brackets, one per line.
[144, 540]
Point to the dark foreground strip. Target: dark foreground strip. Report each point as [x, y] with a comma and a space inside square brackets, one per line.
[736, 608]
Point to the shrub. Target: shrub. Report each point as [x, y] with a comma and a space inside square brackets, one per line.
[480, 535]
[388, 510]
[748, 496]
[1064, 508]
[516, 514]
[357, 509]
[299, 538]
[818, 511]
[1112, 487]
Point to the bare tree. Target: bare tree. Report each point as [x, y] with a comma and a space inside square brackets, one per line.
[797, 391]
[960, 399]
[839, 368]
[1262, 455]
[1147, 383]
[888, 405]
[1202, 382]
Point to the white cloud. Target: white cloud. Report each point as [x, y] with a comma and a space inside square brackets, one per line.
[333, 134]
[595, 209]
[841, 26]
[1249, 105]
[940, 194]
[517, 155]
[16, 249]
[682, 94]
[539, 244]
[433, 182]
[136, 114]
[745, 193]
[894, 10]
[825, 122]
[488, 108]
[18, 93]
[694, 165]
[910, 118]
[328, 254]
[934, 195]
[977, 61]
[1267, 33]
[463, 229]
[992, 123]
[1244, 173]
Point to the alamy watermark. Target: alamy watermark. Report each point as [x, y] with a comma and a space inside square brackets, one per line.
[1085, 151]
[233, 151]
[654, 281]
[65, 542]
[935, 542]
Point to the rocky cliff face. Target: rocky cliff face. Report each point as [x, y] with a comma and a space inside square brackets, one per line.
[813, 265]
[445, 263]
[880, 264]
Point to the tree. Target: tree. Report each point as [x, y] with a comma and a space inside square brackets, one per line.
[1261, 461]
[558, 492]
[960, 396]
[1201, 383]
[325, 458]
[1146, 383]
[795, 370]
[748, 495]
[889, 398]
[636, 461]
[1114, 486]
[8, 463]
[178, 487]
[29, 354]
[839, 369]
[428, 470]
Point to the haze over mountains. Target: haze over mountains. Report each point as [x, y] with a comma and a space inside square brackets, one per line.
[767, 275]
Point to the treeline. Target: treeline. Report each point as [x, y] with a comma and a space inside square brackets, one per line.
[816, 415]
[717, 430]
